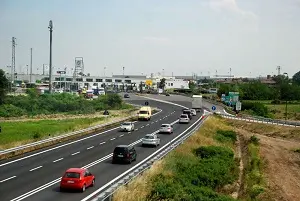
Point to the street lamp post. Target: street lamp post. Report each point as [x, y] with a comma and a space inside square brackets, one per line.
[286, 101]
[50, 56]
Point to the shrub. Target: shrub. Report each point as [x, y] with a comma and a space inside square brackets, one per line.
[254, 140]
[226, 135]
[36, 135]
[9, 110]
[258, 109]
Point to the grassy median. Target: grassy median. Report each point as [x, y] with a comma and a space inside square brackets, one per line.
[202, 168]
[15, 133]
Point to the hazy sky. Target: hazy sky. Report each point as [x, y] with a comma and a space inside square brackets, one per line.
[145, 36]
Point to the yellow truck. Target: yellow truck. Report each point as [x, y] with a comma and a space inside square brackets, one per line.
[145, 113]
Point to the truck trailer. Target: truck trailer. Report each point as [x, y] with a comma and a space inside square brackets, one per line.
[197, 102]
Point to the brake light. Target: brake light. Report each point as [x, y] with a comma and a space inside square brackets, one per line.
[128, 155]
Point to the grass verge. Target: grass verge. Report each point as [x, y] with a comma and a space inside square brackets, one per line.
[202, 168]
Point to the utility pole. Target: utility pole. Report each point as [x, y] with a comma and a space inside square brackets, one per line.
[13, 60]
[123, 71]
[30, 66]
[230, 72]
[43, 69]
[50, 57]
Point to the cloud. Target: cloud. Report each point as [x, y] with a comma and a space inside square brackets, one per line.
[231, 6]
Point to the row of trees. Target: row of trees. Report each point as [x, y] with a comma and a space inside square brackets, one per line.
[283, 89]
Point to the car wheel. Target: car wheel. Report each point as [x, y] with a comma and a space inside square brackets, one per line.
[93, 183]
[83, 188]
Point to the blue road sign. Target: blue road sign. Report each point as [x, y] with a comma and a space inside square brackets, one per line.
[213, 107]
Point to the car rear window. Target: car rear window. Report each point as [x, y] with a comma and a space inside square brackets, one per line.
[143, 112]
[164, 125]
[72, 175]
[183, 116]
[126, 124]
[186, 112]
[149, 137]
[120, 149]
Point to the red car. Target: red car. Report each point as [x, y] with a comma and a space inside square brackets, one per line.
[77, 178]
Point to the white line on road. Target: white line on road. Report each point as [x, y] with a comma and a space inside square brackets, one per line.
[113, 138]
[121, 135]
[147, 124]
[75, 153]
[142, 126]
[152, 122]
[159, 119]
[102, 143]
[136, 129]
[156, 121]
[7, 179]
[90, 147]
[58, 160]
[35, 168]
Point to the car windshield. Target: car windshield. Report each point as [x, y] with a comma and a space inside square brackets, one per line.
[164, 125]
[183, 116]
[72, 175]
[143, 112]
[186, 112]
[126, 124]
[149, 137]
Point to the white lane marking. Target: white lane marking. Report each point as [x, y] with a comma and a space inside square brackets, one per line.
[156, 121]
[75, 153]
[58, 160]
[90, 147]
[142, 126]
[142, 162]
[35, 168]
[102, 143]
[34, 191]
[121, 135]
[63, 145]
[113, 138]
[7, 179]
[147, 124]
[152, 122]
[159, 119]
[129, 132]
[136, 129]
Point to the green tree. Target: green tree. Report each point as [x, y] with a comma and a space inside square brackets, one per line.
[296, 78]
[162, 83]
[4, 84]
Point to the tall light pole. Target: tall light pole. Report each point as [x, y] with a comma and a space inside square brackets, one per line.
[30, 66]
[50, 57]
[123, 71]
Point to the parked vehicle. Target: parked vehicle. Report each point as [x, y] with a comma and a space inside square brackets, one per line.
[188, 112]
[150, 140]
[126, 96]
[197, 102]
[124, 153]
[166, 128]
[193, 112]
[184, 119]
[77, 178]
[127, 126]
[145, 113]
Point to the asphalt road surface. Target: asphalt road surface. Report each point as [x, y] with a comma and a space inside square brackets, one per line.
[35, 176]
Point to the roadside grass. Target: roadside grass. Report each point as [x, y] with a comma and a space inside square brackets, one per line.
[278, 110]
[16, 133]
[198, 169]
[254, 180]
[268, 130]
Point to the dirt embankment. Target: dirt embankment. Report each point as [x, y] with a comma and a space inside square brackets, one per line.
[281, 161]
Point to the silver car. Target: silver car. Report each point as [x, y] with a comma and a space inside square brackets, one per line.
[193, 112]
[166, 128]
[184, 119]
[127, 126]
[150, 140]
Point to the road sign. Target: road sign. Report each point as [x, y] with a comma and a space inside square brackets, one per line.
[213, 108]
[238, 106]
[61, 72]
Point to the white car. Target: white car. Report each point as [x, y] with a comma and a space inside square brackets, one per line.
[166, 128]
[127, 126]
[193, 112]
[151, 140]
[184, 119]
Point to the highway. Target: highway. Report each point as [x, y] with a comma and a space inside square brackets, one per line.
[36, 175]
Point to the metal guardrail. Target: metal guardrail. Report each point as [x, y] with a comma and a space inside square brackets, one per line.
[263, 120]
[127, 176]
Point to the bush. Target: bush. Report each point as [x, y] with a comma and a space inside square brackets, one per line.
[196, 178]
[259, 109]
[225, 136]
[276, 101]
[9, 110]
[34, 104]
[254, 140]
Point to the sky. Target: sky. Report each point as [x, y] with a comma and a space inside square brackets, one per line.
[206, 37]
